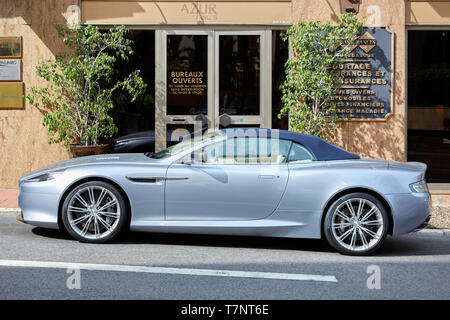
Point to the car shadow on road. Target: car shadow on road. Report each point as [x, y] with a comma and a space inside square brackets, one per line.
[228, 241]
[406, 245]
[203, 240]
[51, 233]
[399, 246]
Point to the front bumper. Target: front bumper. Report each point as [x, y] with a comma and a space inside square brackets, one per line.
[38, 208]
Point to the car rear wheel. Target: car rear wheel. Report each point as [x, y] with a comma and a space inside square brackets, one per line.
[94, 212]
[356, 224]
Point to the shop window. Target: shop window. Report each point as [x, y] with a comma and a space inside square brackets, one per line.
[137, 116]
[429, 102]
[280, 54]
[239, 74]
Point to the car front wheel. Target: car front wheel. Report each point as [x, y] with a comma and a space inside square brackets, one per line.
[94, 212]
[356, 224]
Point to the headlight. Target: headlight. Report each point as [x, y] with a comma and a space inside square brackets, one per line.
[420, 186]
[46, 176]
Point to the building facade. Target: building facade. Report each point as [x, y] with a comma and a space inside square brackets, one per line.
[215, 58]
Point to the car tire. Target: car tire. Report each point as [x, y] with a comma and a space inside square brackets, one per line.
[94, 212]
[356, 224]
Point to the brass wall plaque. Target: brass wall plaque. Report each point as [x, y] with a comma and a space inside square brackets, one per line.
[11, 47]
[11, 96]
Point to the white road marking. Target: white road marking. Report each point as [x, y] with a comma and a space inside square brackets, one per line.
[164, 270]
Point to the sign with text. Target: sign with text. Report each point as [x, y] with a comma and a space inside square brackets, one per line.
[11, 96]
[366, 77]
[202, 11]
[187, 82]
[10, 70]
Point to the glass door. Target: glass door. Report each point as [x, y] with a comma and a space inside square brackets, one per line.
[210, 79]
[185, 85]
[239, 71]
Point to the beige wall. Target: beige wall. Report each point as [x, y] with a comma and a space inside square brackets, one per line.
[23, 139]
[428, 12]
[186, 12]
[377, 139]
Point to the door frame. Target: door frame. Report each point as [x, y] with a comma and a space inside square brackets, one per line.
[162, 119]
[213, 33]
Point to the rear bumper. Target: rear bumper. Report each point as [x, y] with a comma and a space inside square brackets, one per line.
[410, 211]
[424, 224]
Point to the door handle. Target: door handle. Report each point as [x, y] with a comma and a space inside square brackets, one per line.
[267, 176]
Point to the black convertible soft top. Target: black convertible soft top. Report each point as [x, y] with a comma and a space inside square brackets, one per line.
[321, 149]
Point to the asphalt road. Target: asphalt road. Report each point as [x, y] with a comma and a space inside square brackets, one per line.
[165, 266]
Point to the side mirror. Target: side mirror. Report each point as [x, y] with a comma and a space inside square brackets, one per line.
[198, 157]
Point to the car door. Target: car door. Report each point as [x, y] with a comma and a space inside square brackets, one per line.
[236, 180]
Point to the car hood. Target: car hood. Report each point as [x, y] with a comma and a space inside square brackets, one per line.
[96, 159]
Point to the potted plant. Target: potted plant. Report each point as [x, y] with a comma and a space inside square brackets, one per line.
[312, 74]
[77, 98]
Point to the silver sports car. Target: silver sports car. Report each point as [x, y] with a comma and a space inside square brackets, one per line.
[239, 181]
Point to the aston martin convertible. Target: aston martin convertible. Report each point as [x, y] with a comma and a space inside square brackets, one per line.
[238, 181]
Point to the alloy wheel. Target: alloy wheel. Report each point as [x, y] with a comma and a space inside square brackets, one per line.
[357, 224]
[93, 212]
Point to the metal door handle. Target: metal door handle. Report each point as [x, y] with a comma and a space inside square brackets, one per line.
[266, 176]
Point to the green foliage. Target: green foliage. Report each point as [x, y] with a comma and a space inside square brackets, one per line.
[77, 97]
[312, 73]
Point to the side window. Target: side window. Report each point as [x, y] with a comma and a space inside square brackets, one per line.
[299, 154]
[247, 150]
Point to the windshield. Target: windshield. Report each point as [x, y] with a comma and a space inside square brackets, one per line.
[187, 143]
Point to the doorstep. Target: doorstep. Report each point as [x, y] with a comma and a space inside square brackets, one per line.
[440, 193]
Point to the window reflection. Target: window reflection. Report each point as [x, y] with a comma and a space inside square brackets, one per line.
[429, 102]
[280, 53]
[247, 150]
[239, 74]
[131, 117]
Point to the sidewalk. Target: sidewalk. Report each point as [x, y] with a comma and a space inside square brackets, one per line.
[8, 198]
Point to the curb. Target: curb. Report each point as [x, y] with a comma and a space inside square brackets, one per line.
[432, 232]
[423, 232]
[9, 211]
